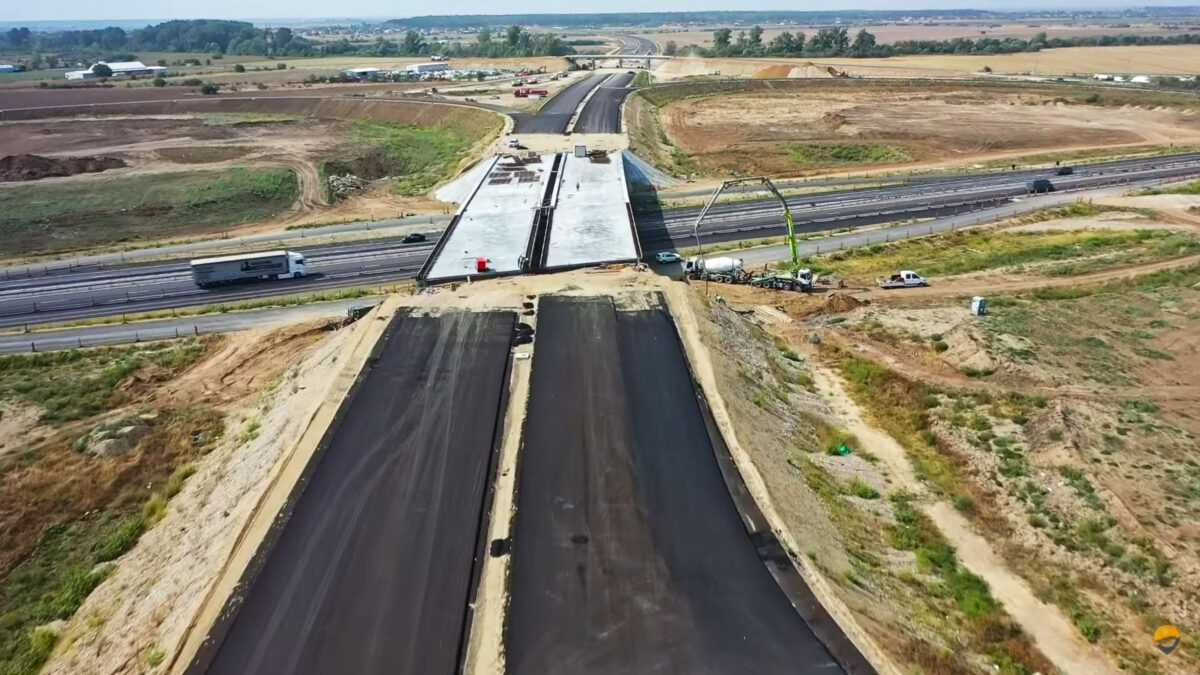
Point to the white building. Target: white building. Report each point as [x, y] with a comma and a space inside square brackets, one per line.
[7, 68]
[432, 67]
[361, 72]
[119, 69]
[1140, 79]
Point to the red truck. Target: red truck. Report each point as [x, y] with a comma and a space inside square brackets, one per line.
[522, 92]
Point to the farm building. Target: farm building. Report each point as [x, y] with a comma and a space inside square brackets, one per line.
[7, 68]
[119, 69]
[432, 67]
[361, 72]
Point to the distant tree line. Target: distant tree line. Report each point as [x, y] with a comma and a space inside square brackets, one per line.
[239, 37]
[837, 42]
[475, 21]
[514, 41]
[202, 35]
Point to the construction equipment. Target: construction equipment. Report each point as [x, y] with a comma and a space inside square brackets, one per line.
[795, 278]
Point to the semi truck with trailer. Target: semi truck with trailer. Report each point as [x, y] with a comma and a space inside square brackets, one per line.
[242, 267]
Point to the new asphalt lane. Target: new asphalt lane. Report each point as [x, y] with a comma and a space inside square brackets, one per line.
[602, 113]
[370, 566]
[629, 555]
[556, 114]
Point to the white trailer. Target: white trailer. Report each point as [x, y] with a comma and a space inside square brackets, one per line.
[229, 269]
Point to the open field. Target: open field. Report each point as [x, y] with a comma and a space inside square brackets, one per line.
[889, 33]
[781, 128]
[39, 219]
[1144, 60]
[402, 150]
[1061, 427]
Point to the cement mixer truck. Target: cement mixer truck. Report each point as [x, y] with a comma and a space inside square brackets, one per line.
[723, 270]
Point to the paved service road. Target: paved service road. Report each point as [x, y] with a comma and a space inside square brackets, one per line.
[602, 113]
[556, 113]
[372, 571]
[629, 555]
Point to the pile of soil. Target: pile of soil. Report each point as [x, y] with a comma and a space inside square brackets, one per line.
[33, 167]
[839, 303]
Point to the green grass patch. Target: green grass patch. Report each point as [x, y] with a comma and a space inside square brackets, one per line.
[1190, 188]
[56, 218]
[809, 154]
[967, 251]
[76, 383]
[642, 79]
[227, 118]
[421, 156]
[899, 407]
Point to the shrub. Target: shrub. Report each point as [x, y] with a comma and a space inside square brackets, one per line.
[964, 504]
[239, 68]
[160, 82]
[1054, 434]
[155, 509]
[209, 89]
[280, 66]
[862, 490]
[940, 346]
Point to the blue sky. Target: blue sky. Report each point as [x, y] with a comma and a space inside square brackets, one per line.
[19, 10]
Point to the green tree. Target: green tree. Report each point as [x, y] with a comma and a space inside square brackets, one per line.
[413, 43]
[102, 70]
[239, 68]
[784, 43]
[485, 37]
[721, 40]
[864, 43]
[209, 89]
[160, 82]
[755, 40]
[670, 49]
[512, 36]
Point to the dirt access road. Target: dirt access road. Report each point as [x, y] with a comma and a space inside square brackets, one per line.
[370, 566]
[628, 552]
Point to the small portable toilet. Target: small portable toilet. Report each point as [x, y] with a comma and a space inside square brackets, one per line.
[979, 305]
[481, 265]
[580, 150]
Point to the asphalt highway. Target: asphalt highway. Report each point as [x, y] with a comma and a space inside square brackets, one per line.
[163, 285]
[602, 113]
[107, 291]
[370, 567]
[556, 114]
[638, 45]
[629, 555]
[836, 209]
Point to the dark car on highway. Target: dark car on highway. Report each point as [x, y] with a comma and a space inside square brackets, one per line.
[1064, 171]
[414, 238]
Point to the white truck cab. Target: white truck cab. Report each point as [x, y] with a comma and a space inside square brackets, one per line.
[905, 279]
[297, 267]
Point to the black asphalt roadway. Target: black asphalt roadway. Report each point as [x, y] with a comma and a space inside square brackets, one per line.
[555, 115]
[36, 296]
[370, 568]
[629, 555]
[602, 113]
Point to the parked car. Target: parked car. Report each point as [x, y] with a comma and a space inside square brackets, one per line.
[514, 143]
[414, 238]
[668, 257]
[1064, 171]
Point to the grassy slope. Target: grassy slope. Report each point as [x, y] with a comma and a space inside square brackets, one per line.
[973, 251]
[54, 552]
[72, 216]
[421, 155]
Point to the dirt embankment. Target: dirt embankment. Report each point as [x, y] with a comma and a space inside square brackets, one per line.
[33, 167]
